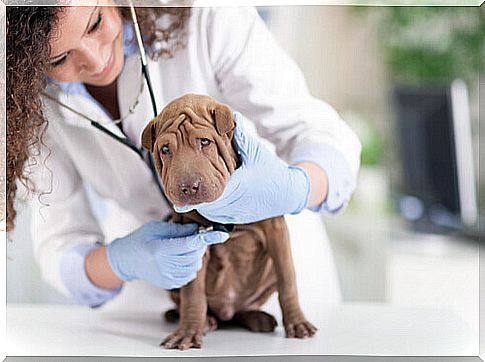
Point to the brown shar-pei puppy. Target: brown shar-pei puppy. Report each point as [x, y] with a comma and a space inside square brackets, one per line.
[191, 141]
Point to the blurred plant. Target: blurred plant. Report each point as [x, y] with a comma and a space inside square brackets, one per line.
[436, 44]
[372, 146]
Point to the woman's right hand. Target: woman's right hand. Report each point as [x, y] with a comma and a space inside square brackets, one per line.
[164, 254]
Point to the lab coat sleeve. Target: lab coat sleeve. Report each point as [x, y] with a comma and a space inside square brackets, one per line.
[258, 79]
[63, 228]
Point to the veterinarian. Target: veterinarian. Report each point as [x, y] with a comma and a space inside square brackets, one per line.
[71, 65]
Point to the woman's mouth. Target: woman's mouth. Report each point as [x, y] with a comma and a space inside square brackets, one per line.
[107, 68]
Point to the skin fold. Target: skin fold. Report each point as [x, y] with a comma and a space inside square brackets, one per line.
[191, 141]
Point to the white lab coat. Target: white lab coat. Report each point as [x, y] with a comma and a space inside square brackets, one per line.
[231, 56]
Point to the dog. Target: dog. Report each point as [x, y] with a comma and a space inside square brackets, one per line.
[192, 145]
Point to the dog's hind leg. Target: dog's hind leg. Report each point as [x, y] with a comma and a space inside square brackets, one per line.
[278, 244]
[255, 320]
[172, 316]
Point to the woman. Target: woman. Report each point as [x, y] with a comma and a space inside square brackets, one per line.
[84, 59]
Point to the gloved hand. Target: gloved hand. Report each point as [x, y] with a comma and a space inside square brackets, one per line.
[166, 255]
[262, 187]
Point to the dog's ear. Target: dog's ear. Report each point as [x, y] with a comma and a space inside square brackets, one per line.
[224, 119]
[148, 136]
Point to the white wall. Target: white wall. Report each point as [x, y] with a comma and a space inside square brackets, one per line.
[337, 49]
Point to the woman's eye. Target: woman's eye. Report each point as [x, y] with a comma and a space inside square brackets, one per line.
[60, 61]
[205, 142]
[165, 149]
[97, 23]
[95, 27]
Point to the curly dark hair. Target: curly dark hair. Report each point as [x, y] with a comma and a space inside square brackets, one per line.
[28, 34]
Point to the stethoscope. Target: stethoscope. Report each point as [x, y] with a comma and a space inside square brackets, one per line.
[144, 154]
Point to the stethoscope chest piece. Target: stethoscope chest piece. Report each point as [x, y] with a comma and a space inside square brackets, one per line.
[227, 228]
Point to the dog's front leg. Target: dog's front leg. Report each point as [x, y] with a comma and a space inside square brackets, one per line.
[278, 244]
[193, 314]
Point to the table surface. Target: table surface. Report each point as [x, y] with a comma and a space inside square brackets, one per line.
[355, 329]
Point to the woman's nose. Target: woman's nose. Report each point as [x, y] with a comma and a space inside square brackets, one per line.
[92, 58]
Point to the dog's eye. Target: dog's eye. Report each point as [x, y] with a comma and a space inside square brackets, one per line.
[165, 149]
[205, 142]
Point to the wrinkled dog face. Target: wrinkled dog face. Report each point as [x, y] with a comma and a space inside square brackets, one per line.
[191, 142]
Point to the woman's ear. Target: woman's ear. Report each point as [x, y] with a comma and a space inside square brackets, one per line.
[148, 135]
[224, 119]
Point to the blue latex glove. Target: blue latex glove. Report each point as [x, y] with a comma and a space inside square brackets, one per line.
[262, 187]
[166, 255]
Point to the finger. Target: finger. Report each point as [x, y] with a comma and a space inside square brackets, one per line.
[181, 281]
[181, 269]
[199, 207]
[178, 230]
[184, 208]
[187, 270]
[188, 260]
[246, 144]
[164, 229]
[183, 246]
[183, 274]
[197, 242]
[217, 217]
[188, 208]
[220, 210]
[215, 237]
[153, 226]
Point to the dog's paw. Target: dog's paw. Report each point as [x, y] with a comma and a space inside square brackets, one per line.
[184, 338]
[256, 321]
[173, 316]
[299, 328]
[210, 323]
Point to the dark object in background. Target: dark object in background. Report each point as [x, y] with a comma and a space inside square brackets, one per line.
[438, 179]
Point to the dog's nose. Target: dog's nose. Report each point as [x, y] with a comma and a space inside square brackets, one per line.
[189, 188]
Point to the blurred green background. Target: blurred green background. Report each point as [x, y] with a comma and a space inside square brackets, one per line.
[432, 44]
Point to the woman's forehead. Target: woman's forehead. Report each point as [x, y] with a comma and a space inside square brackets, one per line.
[71, 25]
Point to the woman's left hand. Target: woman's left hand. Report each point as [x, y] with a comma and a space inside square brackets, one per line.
[262, 187]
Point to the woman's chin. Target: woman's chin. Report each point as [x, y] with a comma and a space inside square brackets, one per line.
[109, 78]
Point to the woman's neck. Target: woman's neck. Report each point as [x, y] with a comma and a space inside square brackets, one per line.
[107, 96]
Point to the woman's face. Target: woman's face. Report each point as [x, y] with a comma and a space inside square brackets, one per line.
[87, 45]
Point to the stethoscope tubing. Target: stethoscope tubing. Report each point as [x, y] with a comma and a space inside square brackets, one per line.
[214, 226]
[143, 57]
[146, 74]
[125, 141]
